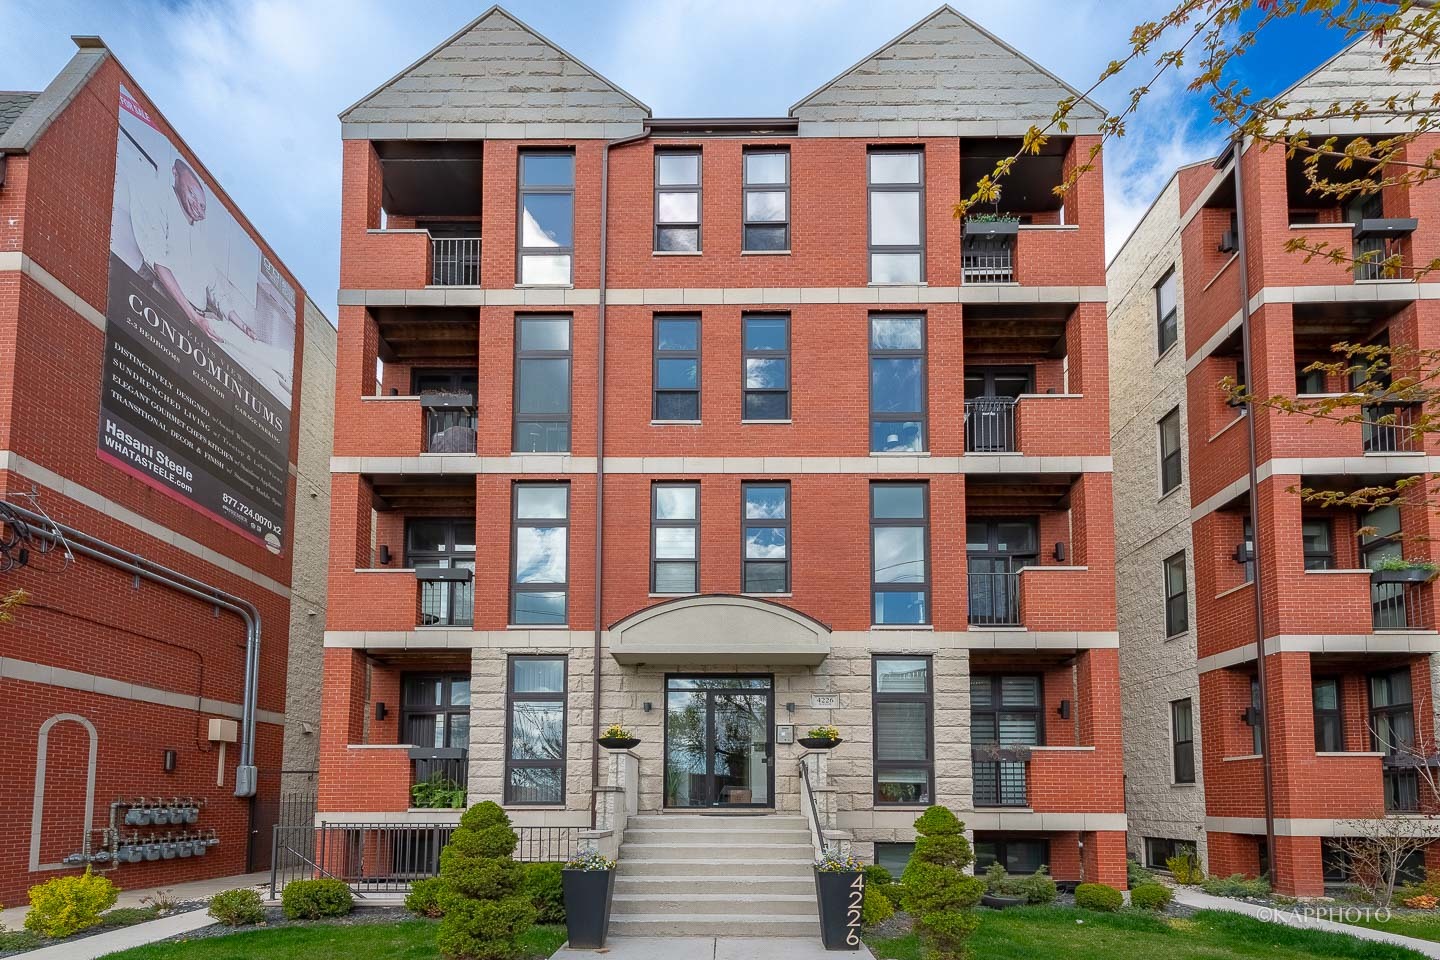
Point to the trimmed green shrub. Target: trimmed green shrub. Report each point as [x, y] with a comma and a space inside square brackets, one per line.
[1037, 888]
[486, 907]
[937, 891]
[1186, 868]
[1236, 885]
[313, 899]
[546, 890]
[127, 916]
[1099, 896]
[876, 875]
[423, 900]
[1151, 896]
[1135, 874]
[895, 893]
[875, 908]
[237, 908]
[63, 906]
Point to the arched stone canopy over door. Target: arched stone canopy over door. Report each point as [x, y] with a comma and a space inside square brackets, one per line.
[719, 629]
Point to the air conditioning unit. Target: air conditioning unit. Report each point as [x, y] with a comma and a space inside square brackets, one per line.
[1228, 242]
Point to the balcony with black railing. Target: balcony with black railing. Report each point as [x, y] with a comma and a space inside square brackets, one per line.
[994, 598]
[1001, 775]
[990, 425]
[439, 777]
[454, 261]
[450, 422]
[988, 257]
[447, 594]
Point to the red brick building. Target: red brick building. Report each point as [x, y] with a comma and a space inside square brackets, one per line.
[720, 430]
[1349, 674]
[124, 674]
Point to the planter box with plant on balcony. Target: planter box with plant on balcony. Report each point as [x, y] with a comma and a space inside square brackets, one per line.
[446, 401]
[840, 888]
[991, 225]
[437, 792]
[617, 737]
[821, 738]
[588, 883]
[1000, 753]
[452, 574]
[1400, 570]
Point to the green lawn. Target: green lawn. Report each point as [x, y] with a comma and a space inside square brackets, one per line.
[1025, 933]
[407, 940]
[1424, 926]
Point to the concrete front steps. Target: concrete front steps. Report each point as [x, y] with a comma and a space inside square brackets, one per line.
[688, 875]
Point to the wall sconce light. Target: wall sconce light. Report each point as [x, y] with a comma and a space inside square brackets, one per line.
[380, 712]
[1064, 710]
[384, 555]
[1059, 552]
[170, 761]
[648, 706]
[789, 708]
[1242, 553]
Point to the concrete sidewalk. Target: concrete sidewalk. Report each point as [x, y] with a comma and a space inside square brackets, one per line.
[710, 948]
[1191, 897]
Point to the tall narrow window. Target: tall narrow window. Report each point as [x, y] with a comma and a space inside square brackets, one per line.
[443, 544]
[1182, 740]
[1392, 732]
[435, 711]
[540, 580]
[1177, 611]
[897, 222]
[767, 201]
[677, 369]
[904, 735]
[1166, 314]
[547, 217]
[767, 368]
[1170, 451]
[542, 384]
[535, 734]
[1329, 730]
[675, 537]
[765, 554]
[900, 552]
[897, 384]
[1319, 545]
[1257, 729]
[1247, 549]
[677, 201]
[1005, 710]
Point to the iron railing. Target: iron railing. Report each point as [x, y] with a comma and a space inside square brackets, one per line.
[450, 429]
[447, 603]
[994, 599]
[817, 837]
[988, 259]
[990, 425]
[1001, 783]
[1402, 791]
[447, 768]
[455, 261]
[380, 858]
[1389, 428]
[1398, 606]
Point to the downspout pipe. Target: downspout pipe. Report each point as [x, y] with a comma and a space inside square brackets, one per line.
[1236, 150]
[133, 563]
[600, 468]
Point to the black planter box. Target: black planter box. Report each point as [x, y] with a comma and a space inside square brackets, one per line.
[587, 906]
[1412, 575]
[1385, 227]
[997, 902]
[435, 574]
[841, 896]
[446, 401]
[819, 743]
[992, 228]
[619, 743]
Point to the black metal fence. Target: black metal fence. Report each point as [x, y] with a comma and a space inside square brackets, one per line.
[447, 603]
[1390, 428]
[1000, 783]
[990, 425]
[988, 259]
[994, 599]
[381, 858]
[1399, 606]
[450, 429]
[455, 261]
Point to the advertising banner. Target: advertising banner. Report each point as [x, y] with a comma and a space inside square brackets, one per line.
[195, 398]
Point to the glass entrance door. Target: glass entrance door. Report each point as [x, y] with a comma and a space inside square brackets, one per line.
[719, 747]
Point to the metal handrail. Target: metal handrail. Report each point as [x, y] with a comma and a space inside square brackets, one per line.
[822, 846]
[990, 425]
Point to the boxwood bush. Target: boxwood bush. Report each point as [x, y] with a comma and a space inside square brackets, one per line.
[1151, 896]
[546, 889]
[936, 890]
[423, 900]
[237, 908]
[485, 903]
[1099, 896]
[63, 906]
[313, 899]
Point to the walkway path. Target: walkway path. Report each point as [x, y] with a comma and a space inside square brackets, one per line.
[709, 948]
[1191, 897]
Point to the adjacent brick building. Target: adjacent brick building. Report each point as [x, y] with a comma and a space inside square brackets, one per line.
[1349, 655]
[733, 422]
[122, 693]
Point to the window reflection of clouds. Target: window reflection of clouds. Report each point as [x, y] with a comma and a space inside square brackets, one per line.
[765, 543]
[540, 554]
[899, 555]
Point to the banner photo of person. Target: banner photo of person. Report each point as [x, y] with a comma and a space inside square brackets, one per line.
[195, 399]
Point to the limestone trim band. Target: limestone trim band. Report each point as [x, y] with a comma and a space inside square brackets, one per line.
[890, 641]
[1314, 827]
[719, 296]
[778, 466]
[1378, 643]
[1384, 464]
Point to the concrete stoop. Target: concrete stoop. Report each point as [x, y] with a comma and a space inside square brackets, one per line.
[715, 876]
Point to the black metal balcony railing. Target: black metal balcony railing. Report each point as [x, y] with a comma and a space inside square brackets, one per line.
[1389, 428]
[445, 602]
[990, 425]
[1402, 791]
[994, 599]
[988, 259]
[455, 261]
[1397, 606]
[1001, 774]
[434, 764]
[450, 429]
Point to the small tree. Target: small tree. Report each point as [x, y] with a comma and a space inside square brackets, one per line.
[938, 892]
[483, 898]
[9, 603]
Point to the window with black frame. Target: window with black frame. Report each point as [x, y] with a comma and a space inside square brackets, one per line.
[677, 201]
[440, 545]
[766, 359]
[674, 537]
[1392, 732]
[900, 553]
[1158, 850]
[1329, 725]
[996, 550]
[1018, 855]
[1257, 729]
[766, 201]
[1177, 608]
[1316, 533]
[897, 215]
[547, 217]
[535, 730]
[1005, 711]
[435, 710]
[677, 369]
[897, 384]
[539, 584]
[542, 384]
[1167, 317]
[1182, 741]
[1170, 459]
[765, 554]
[903, 705]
